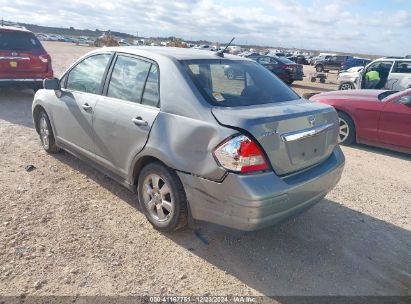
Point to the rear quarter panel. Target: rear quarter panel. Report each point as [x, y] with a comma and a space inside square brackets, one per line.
[365, 115]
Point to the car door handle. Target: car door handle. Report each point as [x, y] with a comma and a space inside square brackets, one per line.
[86, 107]
[139, 122]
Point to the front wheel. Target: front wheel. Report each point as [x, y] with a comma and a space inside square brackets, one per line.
[346, 134]
[46, 134]
[346, 86]
[162, 197]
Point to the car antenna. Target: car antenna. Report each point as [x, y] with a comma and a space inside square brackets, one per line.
[221, 53]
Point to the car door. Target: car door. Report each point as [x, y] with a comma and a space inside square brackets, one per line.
[395, 122]
[125, 113]
[400, 76]
[383, 68]
[72, 112]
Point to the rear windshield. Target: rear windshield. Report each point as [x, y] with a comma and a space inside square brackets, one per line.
[18, 41]
[285, 60]
[230, 83]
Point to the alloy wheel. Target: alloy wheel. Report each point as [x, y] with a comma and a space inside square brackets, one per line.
[44, 132]
[158, 198]
[344, 131]
[345, 86]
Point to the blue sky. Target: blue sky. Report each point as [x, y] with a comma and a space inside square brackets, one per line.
[361, 26]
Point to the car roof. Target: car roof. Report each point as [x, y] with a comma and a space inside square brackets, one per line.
[392, 59]
[8, 28]
[175, 53]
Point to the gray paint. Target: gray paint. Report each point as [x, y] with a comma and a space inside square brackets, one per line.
[183, 134]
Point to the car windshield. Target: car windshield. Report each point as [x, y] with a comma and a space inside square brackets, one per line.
[386, 94]
[232, 83]
[18, 41]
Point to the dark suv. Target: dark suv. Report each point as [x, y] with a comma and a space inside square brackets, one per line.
[23, 60]
[330, 63]
[354, 62]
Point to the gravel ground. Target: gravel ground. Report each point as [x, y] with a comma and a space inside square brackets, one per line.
[66, 229]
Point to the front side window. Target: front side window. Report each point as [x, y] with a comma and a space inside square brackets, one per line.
[252, 85]
[264, 60]
[87, 76]
[128, 78]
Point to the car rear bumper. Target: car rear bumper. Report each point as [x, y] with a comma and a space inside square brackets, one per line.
[251, 202]
[21, 82]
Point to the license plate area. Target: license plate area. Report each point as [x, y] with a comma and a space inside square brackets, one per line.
[306, 150]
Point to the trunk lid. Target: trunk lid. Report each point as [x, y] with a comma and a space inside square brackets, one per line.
[20, 52]
[17, 61]
[294, 134]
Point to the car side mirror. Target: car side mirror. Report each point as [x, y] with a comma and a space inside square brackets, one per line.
[52, 84]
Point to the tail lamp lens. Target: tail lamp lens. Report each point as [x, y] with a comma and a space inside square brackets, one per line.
[44, 58]
[240, 154]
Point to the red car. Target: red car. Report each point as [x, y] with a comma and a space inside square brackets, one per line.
[23, 60]
[374, 117]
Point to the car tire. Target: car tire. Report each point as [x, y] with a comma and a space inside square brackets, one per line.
[46, 134]
[346, 86]
[346, 134]
[289, 82]
[230, 74]
[162, 197]
[319, 68]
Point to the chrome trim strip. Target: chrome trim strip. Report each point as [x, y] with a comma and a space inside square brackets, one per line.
[14, 58]
[302, 134]
[21, 79]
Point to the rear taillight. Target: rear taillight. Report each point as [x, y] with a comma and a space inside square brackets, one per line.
[44, 58]
[288, 67]
[240, 154]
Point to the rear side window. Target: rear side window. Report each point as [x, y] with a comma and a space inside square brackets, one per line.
[402, 67]
[18, 41]
[128, 78]
[87, 76]
[233, 83]
[151, 90]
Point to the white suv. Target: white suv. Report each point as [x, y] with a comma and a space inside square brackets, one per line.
[395, 74]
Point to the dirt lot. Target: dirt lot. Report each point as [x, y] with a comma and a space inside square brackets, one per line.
[66, 229]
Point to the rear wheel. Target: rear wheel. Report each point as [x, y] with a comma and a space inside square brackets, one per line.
[346, 86]
[289, 82]
[46, 134]
[346, 134]
[162, 197]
